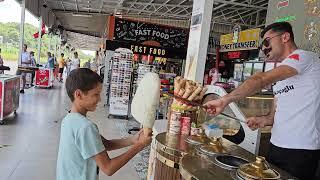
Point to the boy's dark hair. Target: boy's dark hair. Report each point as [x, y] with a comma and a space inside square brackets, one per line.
[281, 27]
[82, 78]
[62, 54]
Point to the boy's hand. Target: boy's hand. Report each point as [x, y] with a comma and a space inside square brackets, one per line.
[144, 140]
[135, 138]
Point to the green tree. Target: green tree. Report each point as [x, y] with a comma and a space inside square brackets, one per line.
[10, 47]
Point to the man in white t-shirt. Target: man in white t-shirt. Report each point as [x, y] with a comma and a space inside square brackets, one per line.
[25, 62]
[75, 63]
[295, 136]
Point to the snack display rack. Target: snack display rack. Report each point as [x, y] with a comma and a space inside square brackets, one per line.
[120, 85]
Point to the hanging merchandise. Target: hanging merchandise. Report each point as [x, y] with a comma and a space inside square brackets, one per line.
[140, 72]
[120, 84]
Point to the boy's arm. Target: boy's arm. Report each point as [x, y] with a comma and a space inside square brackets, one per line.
[116, 143]
[120, 143]
[110, 166]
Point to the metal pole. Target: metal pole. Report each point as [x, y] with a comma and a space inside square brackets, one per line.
[23, 7]
[55, 46]
[50, 38]
[39, 38]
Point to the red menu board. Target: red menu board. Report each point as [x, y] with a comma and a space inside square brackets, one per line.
[42, 77]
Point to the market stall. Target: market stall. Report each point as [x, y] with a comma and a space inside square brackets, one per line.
[9, 95]
[199, 146]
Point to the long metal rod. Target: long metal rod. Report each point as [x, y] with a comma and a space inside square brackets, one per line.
[39, 38]
[200, 105]
[23, 7]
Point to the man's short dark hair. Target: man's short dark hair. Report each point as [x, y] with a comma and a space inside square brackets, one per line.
[280, 27]
[83, 79]
[25, 45]
[62, 54]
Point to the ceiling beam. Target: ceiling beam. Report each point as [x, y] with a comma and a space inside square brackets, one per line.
[159, 4]
[145, 6]
[77, 6]
[101, 7]
[240, 4]
[80, 12]
[118, 5]
[62, 5]
[127, 8]
[231, 12]
[174, 7]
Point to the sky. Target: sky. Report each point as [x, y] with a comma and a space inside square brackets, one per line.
[10, 11]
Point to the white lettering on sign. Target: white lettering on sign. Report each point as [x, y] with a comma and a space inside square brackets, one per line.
[154, 33]
[148, 50]
[144, 32]
[42, 72]
[240, 45]
[160, 34]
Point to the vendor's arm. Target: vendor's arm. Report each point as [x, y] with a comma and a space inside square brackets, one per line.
[120, 143]
[110, 166]
[263, 121]
[250, 87]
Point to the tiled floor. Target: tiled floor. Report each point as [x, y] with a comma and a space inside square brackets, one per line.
[33, 136]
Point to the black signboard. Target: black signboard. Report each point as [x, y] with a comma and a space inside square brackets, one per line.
[141, 32]
[147, 50]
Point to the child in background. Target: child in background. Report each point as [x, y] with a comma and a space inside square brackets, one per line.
[62, 63]
[82, 150]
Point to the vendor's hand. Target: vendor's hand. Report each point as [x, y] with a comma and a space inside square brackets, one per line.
[256, 122]
[215, 107]
[144, 140]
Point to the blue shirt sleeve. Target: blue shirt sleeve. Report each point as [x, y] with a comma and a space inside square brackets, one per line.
[89, 141]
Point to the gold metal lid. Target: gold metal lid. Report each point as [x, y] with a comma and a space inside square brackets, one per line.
[258, 169]
[214, 147]
[197, 140]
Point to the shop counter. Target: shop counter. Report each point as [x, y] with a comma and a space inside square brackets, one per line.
[174, 158]
[9, 95]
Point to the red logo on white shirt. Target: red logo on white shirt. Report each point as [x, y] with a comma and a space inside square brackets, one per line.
[294, 57]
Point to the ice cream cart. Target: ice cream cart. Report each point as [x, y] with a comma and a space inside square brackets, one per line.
[9, 95]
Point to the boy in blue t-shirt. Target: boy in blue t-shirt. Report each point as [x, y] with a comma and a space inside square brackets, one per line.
[82, 149]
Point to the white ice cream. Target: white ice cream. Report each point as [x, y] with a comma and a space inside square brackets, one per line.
[146, 99]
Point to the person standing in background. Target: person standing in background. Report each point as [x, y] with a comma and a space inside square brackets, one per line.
[61, 63]
[50, 61]
[1, 62]
[25, 62]
[56, 67]
[75, 63]
[34, 64]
